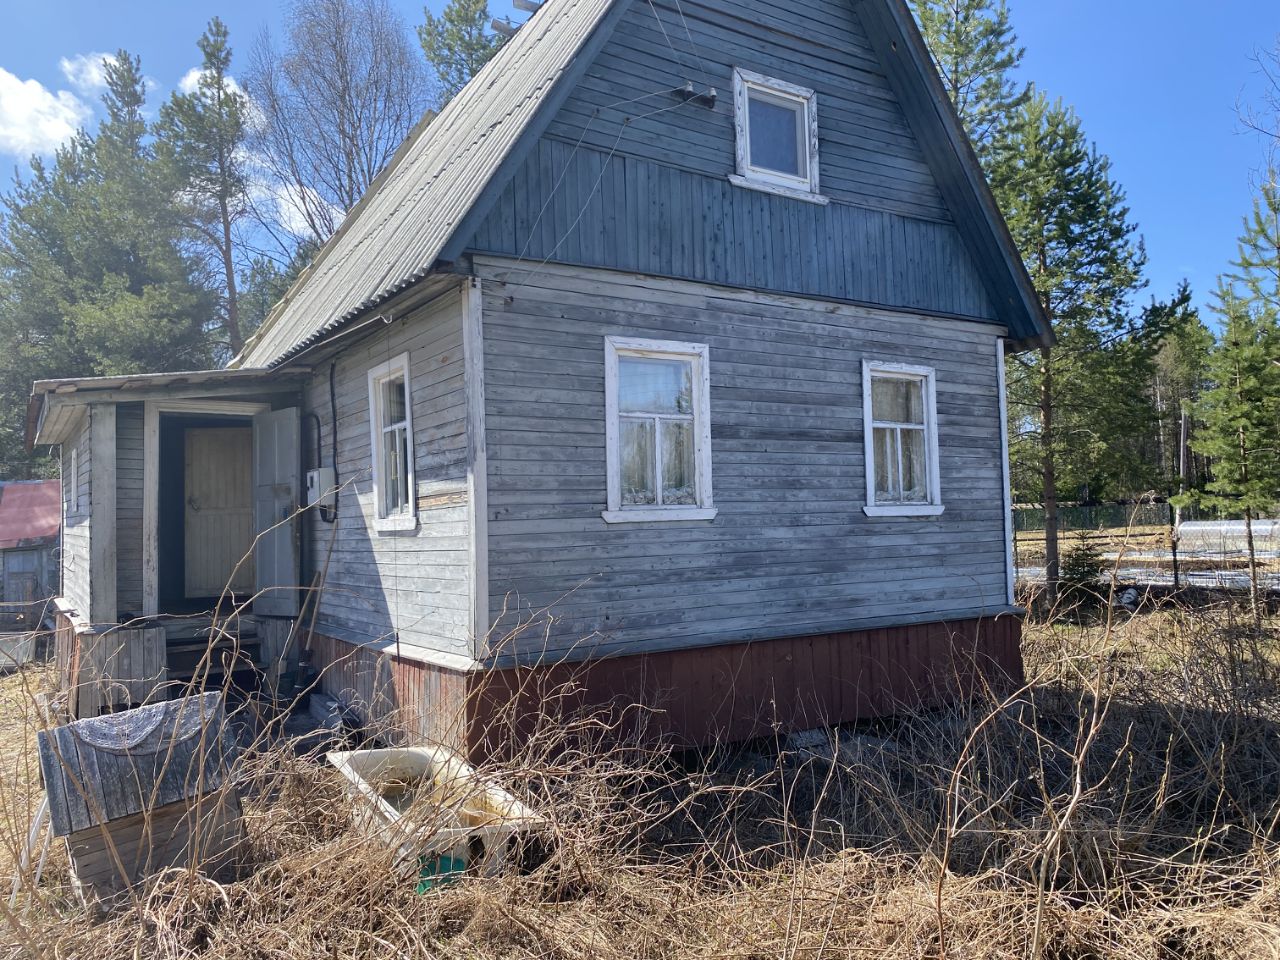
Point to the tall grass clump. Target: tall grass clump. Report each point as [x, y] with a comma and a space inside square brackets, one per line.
[1124, 803]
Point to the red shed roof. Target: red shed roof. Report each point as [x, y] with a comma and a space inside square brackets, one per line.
[30, 511]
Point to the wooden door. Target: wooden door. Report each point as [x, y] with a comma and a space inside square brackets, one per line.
[277, 486]
[219, 511]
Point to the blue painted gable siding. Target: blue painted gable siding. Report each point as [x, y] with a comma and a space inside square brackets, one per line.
[628, 176]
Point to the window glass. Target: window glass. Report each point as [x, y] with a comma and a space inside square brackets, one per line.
[915, 486]
[393, 405]
[895, 400]
[886, 461]
[637, 461]
[777, 133]
[900, 440]
[395, 496]
[654, 386]
[678, 484]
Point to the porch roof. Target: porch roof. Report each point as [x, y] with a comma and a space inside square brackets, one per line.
[30, 512]
[55, 404]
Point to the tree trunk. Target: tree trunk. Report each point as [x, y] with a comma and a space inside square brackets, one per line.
[229, 268]
[1049, 476]
[1255, 603]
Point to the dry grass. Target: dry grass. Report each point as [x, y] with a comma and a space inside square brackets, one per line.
[1125, 805]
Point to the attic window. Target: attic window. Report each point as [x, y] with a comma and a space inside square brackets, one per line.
[776, 125]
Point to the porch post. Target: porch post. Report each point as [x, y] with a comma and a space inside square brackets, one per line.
[102, 513]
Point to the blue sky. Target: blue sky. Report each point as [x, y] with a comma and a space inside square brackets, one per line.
[1156, 82]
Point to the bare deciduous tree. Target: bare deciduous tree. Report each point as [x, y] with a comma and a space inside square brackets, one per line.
[334, 103]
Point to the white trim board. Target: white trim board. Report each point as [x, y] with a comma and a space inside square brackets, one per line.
[1004, 473]
[477, 461]
[102, 513]
[151, 410]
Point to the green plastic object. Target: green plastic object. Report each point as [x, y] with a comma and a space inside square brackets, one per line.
[434, 872]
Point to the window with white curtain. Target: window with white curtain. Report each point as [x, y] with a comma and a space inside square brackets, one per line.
[901, 440]
[657, 430]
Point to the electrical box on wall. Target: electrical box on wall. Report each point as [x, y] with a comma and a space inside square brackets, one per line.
[320, 488]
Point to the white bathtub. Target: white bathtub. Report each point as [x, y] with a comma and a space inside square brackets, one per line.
[427, 800]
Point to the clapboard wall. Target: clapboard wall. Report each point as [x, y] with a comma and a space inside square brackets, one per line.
[791, 551]
[75, 519]
[629, 176]
[129, 457]
[411, 584]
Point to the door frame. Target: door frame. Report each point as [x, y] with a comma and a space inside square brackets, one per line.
[151, 479]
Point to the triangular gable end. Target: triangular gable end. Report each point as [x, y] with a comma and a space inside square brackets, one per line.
[928, 234]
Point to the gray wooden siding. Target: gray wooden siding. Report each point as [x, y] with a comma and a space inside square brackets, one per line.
[414, 583]
[75, 522]
[791, 551]
[129, 426]
[651, 194]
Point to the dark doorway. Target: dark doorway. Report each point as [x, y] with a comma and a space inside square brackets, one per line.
[204, 522]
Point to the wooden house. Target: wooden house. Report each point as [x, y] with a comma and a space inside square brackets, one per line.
[668, 356]
[136, 792]
[29, 527]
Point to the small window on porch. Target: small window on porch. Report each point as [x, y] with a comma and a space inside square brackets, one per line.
[73, 483]
[391, 440]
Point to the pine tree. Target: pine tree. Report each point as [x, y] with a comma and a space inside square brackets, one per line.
[200, 140]
[94, 276]
[458, 43]
[1258, 261]
[1070, 223]
[1240, 420]
[1181, 375]
[976, 51]
[264, 282]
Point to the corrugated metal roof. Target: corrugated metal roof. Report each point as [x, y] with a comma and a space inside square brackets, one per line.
[394, 235]
[30, 511]
[144, 381]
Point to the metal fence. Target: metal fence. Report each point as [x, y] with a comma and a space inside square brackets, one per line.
[1096, 516]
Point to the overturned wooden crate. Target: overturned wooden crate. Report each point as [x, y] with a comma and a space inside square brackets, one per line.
[135, 792]
[427, 802]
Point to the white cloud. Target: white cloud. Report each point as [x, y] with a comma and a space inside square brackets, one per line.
[86, 72]
[191, 80]
[285, 204]
[33, 119]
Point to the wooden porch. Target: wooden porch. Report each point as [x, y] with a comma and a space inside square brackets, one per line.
[103, 668]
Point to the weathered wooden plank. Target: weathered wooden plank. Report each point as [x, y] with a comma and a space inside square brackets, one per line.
[414, 584]
[790, 545]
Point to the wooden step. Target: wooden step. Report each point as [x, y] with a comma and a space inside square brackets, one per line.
[186, 628]
[187, 645]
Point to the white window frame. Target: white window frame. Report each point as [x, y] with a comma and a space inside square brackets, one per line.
[932, 507]
[704, 509]
[762, 178]
[73, 481]
[408, 520]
